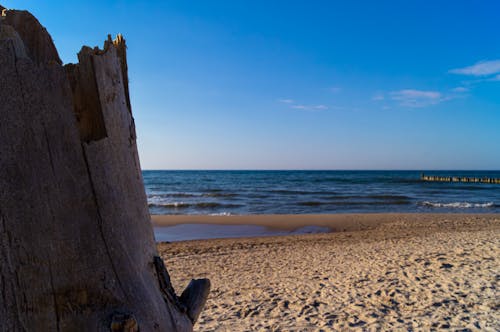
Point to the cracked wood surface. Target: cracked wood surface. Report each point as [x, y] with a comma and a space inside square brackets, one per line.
[76, 243]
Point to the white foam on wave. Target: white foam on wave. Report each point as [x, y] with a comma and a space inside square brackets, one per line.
[221, 214]
[175, 204]
[156, 199]
[458, 205]
[169, 204]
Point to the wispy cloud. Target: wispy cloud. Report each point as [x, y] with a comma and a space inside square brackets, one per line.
[292, 104]
[480, 69]
[310, 107]
[423, 98]
[416, 98]
[460, 89]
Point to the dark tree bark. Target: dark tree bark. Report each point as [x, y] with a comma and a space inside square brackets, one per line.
[77, 251]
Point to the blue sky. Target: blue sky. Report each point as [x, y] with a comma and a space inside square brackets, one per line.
[301, 84]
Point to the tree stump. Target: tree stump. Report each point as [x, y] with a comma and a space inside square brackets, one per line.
[77, 251]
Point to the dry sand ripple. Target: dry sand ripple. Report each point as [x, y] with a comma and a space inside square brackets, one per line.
[408, 273]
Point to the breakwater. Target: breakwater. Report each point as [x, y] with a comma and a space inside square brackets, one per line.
[436, 178]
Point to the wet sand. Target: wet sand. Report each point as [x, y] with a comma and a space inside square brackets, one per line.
[384, 272]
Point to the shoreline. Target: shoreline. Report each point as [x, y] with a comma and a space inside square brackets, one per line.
[206, 227]
[397, 272]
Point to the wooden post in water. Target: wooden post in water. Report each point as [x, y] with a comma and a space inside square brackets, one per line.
[431, 178]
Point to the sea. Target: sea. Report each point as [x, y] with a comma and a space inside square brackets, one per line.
[316, 192]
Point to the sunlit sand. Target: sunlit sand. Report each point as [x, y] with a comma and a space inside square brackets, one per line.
[399, 272]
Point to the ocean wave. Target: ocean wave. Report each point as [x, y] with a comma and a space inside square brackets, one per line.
[200, 205]
[356, 203]
[323, 180]
[213, 205]
[458, 205]
[405, 181]
[209, 205]
[469, 186]
[300, 192]
[178, 195]
[312, 203]
[219, 194]
[210, 193]
[372, 197]
[389, 197]
[181, 195]
[173, 205]
[221, 214]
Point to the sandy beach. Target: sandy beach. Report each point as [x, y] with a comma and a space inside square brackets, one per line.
[373, 272]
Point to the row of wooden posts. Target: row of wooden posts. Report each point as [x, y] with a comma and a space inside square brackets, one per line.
[436, 178]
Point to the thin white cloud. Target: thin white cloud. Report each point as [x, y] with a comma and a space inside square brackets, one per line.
[292, 104]
[481, 68]
[310, 107]
[335, 89]
[417, 98]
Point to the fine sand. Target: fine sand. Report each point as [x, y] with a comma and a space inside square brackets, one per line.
[376, 272]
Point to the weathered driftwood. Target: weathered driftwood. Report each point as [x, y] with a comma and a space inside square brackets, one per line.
[194, 297]
[77, 251]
